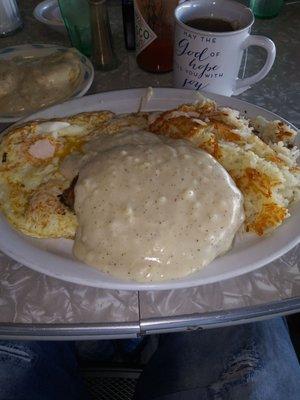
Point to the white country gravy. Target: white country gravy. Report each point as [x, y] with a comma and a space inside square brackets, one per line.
[151, 208]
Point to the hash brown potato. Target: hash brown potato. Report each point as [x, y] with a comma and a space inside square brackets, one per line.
[257, 154]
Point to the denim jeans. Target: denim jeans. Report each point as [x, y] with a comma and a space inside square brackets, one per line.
[253, 362]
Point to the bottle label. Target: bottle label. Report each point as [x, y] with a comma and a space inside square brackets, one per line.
[144, 35]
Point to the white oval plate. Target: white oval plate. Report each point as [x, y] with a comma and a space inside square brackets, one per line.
[40, 50]
[48, 13]
[54, 257]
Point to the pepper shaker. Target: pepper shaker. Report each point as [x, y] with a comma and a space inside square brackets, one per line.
[103, 56]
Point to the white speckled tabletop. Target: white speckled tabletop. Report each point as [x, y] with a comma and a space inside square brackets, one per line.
[33, 305]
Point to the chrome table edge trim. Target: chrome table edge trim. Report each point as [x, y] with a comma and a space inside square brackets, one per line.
[93, 331]
[217, 319]
[72, 331]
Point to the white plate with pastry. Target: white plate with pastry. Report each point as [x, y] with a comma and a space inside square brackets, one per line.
[36, 76]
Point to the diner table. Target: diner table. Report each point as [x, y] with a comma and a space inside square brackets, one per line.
[38, 307]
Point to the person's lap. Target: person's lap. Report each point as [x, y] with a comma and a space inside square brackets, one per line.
[253, 361]
[39, 371]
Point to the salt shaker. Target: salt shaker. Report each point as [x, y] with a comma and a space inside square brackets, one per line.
[10, 19]
[103, 56]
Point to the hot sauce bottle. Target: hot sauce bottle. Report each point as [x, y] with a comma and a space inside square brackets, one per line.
[154, 29]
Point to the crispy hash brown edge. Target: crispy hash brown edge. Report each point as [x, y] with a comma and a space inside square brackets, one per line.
[263, 177]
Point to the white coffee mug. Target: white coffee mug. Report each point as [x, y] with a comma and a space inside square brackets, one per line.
[210, 61]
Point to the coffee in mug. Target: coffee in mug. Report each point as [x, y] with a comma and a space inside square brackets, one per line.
[211, 24]
[210, 37]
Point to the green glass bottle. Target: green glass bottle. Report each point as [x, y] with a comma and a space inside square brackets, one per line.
[76, 16]
[266, 8]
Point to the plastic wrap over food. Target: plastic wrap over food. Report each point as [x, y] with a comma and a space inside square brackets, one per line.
[27, 296]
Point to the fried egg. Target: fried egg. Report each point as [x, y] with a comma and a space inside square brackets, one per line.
[30, 178]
